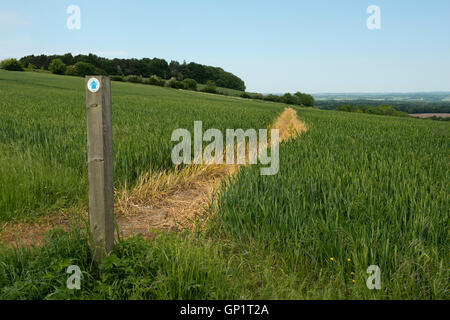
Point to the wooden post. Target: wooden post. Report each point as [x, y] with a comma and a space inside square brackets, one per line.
[100, 165]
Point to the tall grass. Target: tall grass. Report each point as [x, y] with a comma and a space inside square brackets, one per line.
[353, 191]
[169, 268]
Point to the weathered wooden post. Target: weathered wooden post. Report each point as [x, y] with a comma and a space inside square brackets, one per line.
[100, 165]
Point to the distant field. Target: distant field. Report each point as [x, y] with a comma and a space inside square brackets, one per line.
[354, 190]
[413, 97]
[429, 115]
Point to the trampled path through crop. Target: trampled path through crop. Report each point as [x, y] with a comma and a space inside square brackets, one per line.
[171, 201]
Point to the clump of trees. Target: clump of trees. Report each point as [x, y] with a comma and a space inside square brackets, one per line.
[298, 98]
[56, 66]
[383, 109]
[142, 67]
[82, 69]
[11, 65]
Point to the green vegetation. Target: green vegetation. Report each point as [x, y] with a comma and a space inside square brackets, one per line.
[160, 73]
[190, 84]
[298, 98]
[383, 109]
[399, 97]
[82, 69]
[11, 65]
[437, 118]
[174, 83]
[31, 67]
[171, 267]
[56, 66]
[156, 81]
[222, 91]
[352, 191]
[409, 103]
[372, 190]
[210, 87]
[142, 67]
[133, 79]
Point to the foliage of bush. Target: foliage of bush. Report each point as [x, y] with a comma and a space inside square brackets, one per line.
[134, 79]
[100, 72]
[70, 71]
[57, 67]
[11, 65]
[174, 83]
[290, 99]
[297, 99]
[272, 97]
[385, 110]
[116, 78]
[210, 87]
[83, 69]
[156, 81]
[190, 84]
[305, 99]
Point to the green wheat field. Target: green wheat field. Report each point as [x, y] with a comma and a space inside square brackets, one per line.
[354, 190]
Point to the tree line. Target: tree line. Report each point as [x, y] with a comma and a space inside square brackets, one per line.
[298, 98]
[405, 106]
[178, 76]
[383, 109]
[138, 67]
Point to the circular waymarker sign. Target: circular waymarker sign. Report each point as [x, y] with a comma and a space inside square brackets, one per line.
[93, 85]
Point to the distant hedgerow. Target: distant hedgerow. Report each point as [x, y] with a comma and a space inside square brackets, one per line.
[116, 78]
[134, 79]
[156, 81]
[11, 65]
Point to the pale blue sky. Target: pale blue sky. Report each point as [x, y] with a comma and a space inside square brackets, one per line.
[274, 46]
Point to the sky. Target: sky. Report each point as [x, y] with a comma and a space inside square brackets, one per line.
[274, 46]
